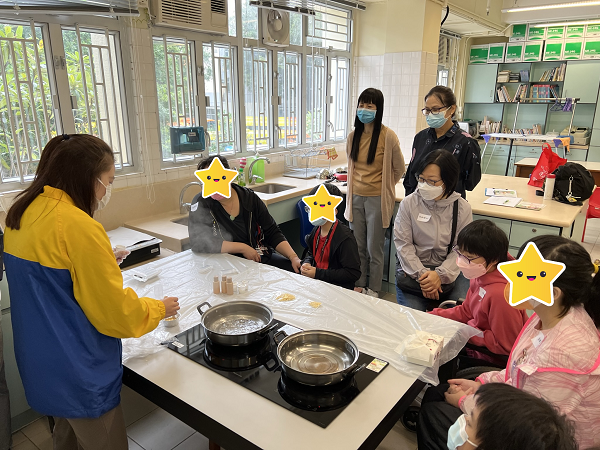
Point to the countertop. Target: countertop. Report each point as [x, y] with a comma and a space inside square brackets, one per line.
[589, 165]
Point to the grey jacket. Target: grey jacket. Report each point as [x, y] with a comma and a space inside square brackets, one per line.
[424, 242]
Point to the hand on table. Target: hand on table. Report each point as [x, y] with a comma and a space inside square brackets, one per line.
[250, 253]
[308, 271]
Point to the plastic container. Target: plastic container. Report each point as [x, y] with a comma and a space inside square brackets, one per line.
[158, 291]
[172, 321]
[216, 286]
[549, 187]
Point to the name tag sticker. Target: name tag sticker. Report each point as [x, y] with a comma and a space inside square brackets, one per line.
[481, 293]
[538, 339]
[423, 218]
[194, 207]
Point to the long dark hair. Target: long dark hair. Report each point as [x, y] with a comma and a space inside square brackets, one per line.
[375, 96]
[72, 163]
[576, 281]
[512, 418]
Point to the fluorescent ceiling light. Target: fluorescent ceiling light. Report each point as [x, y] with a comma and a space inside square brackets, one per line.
[558, 24]
[554, 6]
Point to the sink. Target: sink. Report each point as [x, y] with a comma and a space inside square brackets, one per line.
[270, 188]
[182, 221]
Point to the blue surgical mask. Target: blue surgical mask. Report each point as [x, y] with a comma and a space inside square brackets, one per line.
[437, 120]
[457, 434]
[366, 115]
[319, 222]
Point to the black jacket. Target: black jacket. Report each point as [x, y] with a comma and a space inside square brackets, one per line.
[210, 225]
[456, 141]
[344, 262]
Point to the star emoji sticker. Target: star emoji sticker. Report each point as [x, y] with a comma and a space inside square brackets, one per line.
[322, 204]
[216, 179]
[531, 277]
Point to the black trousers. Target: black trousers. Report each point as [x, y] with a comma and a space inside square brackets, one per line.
[435, 418]
[277, 260]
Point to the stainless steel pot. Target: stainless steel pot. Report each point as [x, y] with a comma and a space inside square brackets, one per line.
[317, 358]
[236, 323]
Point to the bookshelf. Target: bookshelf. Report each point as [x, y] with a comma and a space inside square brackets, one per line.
[581, 79]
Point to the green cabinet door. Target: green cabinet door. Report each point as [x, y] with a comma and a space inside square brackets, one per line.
[594, 154]
[581, 80]
[481, 83]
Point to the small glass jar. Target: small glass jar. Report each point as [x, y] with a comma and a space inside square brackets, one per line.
[172, 321]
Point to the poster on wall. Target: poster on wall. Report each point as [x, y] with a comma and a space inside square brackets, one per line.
[592, 30]
[553, 51]
[479, 54]
[519, 32]
[591, 48]
[555, 33]
[536, 33]
[532, 51]
[573, 49]
[514, 52]
[575, 31]
[496, 53]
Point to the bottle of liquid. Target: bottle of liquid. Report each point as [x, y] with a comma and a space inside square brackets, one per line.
[216, 286]
[224, 284]
[549, 187]
[229, 286]
[240, 178]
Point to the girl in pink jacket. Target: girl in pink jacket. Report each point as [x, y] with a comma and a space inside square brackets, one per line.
[556, 356]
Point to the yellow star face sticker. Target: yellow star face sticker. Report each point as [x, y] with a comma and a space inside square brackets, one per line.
[322, 204]
[531, 277]
[216, 179]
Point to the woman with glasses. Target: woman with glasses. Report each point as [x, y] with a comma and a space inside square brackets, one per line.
[375, 165]
[444, 132]
[425, 231]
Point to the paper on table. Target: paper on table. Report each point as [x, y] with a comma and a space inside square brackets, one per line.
[503, 201]
[493, 192]
[127, 237]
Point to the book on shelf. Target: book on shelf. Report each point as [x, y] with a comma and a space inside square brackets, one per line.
[488, 127]
[503, 76]
[554, 74]
[524, 75]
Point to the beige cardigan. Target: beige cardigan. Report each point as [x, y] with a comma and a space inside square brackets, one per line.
[393, 169]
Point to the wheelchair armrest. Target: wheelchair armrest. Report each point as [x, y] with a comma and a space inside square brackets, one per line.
[447, 304]
[485, 351]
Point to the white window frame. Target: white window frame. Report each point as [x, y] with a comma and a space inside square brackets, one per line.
[292, 107]
[262, 89]
[339, 104]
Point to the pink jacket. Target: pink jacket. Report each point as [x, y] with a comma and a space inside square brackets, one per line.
[563, 369]
[486, 309]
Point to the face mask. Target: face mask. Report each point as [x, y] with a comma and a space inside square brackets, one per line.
[104, 200]
[430, 192]
[217, 197]
[436, 120]
[319, 222]
[366, 115]
[470, 270]
[457, 434]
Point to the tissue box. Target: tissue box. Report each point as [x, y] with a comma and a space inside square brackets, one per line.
[422, 348]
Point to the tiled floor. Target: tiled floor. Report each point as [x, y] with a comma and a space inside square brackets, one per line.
[151, 428]
[591, 240]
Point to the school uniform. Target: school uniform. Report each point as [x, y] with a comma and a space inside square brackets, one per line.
[334, 256]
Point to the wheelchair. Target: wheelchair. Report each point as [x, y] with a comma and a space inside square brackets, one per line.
[476, 360]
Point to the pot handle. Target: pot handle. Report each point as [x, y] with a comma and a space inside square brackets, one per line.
[351, 371]
[277, 335]
[275, 363]
[268, 329]
[199, 307]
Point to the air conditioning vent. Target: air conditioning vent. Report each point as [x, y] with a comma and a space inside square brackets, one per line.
[218, 6]
[182, 11]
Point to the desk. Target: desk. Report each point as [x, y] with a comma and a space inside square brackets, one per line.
[525, 166]
[235, 417]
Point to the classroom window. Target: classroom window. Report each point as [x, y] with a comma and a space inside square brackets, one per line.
[288, 87]
[329, 28]
[249, 20]
[219, 88]
[296, 29]
[27, 119]
[231, 18]
[338, 110]
[257, 93]
[97, 90]
[176, 90]
[316, 71]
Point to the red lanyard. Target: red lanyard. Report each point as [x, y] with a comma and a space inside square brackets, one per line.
[318, 233]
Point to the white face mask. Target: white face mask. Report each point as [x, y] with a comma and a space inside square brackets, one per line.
[457, 434]
[430, 192]
[319, 222]
[104, 200]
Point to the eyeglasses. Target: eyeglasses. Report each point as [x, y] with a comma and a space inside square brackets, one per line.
[460, 255]
[429, 182]
[427, 111]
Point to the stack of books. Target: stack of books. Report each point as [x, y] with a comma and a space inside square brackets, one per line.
[503, 95]
[521, 92]
[544, 92]
[555, 74]
[503, 76]
[514, 77]
[488, 127]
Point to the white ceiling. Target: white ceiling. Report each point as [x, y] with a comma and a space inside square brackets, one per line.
[459, 25]
[548, 15]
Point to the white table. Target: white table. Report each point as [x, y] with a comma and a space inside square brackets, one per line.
[235, 417]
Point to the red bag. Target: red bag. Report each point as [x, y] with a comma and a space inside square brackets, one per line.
[547, 163]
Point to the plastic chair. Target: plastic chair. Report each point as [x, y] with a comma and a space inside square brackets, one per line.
[593, 211]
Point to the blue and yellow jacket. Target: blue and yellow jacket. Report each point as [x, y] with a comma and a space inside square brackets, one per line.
[69, 309]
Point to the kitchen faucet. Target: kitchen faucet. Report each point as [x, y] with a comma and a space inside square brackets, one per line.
[184, 208]
[252, 178]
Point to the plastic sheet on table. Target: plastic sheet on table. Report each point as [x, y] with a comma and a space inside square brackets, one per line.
[375, 325]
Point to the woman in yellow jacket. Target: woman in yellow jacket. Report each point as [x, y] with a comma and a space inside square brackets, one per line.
[69, 308]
